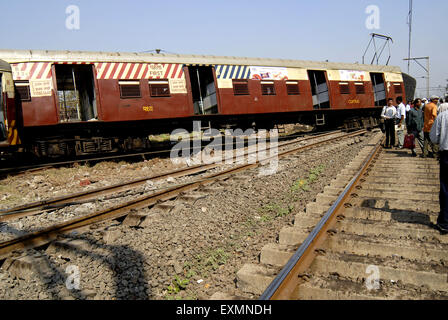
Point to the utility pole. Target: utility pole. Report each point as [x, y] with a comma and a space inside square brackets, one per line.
[426, 69]
[410, 32]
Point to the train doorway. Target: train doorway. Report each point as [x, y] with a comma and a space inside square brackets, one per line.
[319, 89]
[203, 88]
[76, 92]
[379, 89]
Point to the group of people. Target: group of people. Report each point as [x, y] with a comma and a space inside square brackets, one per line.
[427, 121]
[416, 118]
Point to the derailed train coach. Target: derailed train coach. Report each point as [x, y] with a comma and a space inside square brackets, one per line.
[76, 103]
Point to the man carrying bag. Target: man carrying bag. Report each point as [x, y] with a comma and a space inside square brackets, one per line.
[415, 126]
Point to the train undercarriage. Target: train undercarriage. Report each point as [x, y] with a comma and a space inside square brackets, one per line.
[71, 140]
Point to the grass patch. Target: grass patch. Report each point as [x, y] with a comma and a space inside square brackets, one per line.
[177, 285]
[304, 184]
[202, 265]
[275, 210]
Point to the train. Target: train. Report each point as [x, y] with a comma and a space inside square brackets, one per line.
[74, 103]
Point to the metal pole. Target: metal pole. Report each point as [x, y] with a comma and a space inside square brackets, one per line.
[317, 93]
[77, 100]
[65, 102]
[200, 92]
[410, 33]
[427, 78]
[375, 55]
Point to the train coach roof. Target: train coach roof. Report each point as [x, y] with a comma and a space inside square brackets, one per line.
[4, 66]
[16, 56]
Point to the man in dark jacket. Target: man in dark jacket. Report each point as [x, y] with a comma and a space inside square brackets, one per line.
[415, 124]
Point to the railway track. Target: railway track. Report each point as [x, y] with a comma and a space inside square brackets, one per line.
[35, 167]
[369, 235]
[130, 209]
[80, 197]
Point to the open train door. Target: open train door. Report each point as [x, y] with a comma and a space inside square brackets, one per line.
[319, 89]
[76, 92]
[379, 89]
[203, 89]
[320, 93]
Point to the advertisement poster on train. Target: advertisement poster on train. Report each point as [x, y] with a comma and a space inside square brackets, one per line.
[268, 73]
[352, 75]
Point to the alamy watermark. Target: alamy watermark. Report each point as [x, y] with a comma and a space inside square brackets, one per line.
[220, 149]
[373, 20]
[72, 22]
[74, 278]
[373, 280]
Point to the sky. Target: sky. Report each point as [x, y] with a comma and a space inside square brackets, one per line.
[302, 29]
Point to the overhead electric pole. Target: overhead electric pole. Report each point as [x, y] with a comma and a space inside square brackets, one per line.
[426, 69]
[410, 32]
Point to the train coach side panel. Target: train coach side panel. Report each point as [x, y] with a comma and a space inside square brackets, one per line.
[37, 101]
[394, 85]
[254, 101]
[350, 89]
[115, 108]
[355, 97]
[40, 111]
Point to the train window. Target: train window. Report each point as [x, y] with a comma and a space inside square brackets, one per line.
[267, 88]
[159, 88]
[292, 87]
[360, 89]
[397, 88]
[129, 89]
[344, 88]
[240, 87]
[23, 90]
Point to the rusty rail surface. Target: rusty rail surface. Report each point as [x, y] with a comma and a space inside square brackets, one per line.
[283, 285]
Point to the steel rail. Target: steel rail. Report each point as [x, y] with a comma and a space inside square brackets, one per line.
[24, 169]
[32, 208]
[286, 282]
[36, 207]
[42, 237]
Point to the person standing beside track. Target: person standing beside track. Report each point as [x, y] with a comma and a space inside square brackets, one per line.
[430, 116]
[443, 107]
[401, 121]
[439, 104]
[388, 115]
[415, 124]
[439, 135]
[408, 108]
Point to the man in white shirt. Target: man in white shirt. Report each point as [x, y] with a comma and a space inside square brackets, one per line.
[443, 107]
[388, 114]
[439, 135]
[400, 119]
